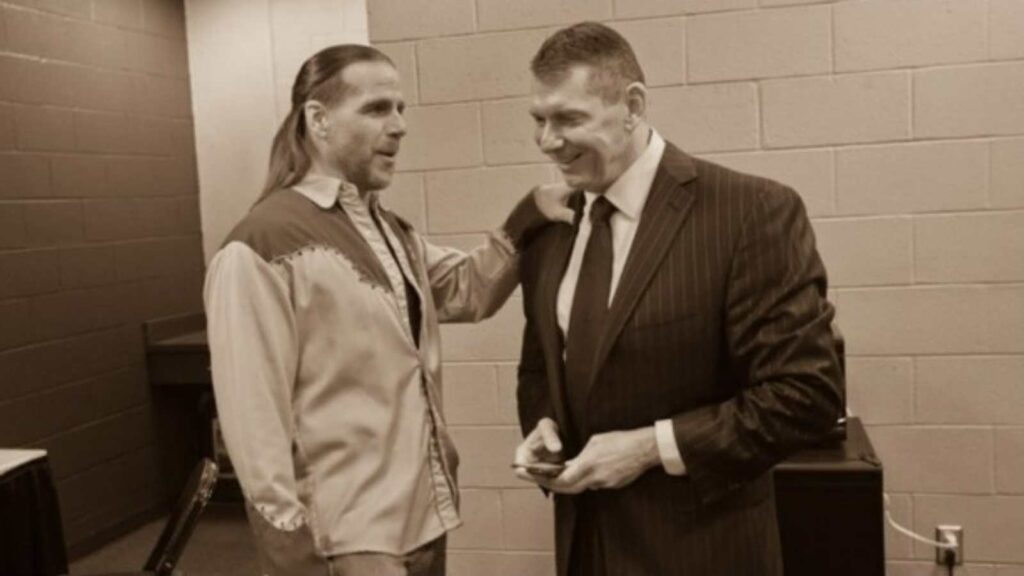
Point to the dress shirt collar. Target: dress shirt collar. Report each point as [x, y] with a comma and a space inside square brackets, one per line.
[324, 191]
[629, 193]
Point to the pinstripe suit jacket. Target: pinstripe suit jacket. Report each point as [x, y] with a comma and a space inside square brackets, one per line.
[720, 323]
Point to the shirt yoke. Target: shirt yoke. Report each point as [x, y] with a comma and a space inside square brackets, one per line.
[286, 223]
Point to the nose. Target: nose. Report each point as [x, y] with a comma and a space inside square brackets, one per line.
[396, 125]
[548, 140]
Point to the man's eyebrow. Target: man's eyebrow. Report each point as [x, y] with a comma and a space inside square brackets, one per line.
[569, 114]
[383, 101]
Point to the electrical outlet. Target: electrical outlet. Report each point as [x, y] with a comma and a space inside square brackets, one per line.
[950, 533]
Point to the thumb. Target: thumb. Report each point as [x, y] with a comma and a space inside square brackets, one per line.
[549, 434]
[564, 214]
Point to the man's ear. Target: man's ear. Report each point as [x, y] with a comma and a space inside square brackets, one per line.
[315, 114]
[636, 104]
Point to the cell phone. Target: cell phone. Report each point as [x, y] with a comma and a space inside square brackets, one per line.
[546, 469]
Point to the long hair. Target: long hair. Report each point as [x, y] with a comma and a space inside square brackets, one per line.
[319, 79]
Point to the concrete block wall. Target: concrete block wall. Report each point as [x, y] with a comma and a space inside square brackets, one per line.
[901, 124]
[99, 231]
[244, 56]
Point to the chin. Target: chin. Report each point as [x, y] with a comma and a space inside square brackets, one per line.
[575, 181]
[578, 181]
[380, 182]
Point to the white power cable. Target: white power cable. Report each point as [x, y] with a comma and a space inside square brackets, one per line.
[915, 536]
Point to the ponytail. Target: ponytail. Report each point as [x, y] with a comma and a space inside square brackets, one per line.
[289, 156]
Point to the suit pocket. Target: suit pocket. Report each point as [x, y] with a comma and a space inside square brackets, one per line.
[663, 341]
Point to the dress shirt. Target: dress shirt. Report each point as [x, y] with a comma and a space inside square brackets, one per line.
[629, 195]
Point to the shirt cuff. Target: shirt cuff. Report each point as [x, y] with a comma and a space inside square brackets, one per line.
[668, 450]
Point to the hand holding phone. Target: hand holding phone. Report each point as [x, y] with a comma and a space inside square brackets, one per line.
[545, 469]
[539, 455]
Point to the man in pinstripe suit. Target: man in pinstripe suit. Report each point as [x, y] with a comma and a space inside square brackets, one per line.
[677, 342]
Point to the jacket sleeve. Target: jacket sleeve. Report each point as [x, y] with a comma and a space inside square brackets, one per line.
[253, 352]
[468, 287]
[533, 395]
[780, 348]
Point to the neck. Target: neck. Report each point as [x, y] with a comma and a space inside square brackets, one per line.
[323, 169]
[638, 142]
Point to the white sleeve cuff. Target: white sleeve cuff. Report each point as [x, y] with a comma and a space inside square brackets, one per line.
[671, 459]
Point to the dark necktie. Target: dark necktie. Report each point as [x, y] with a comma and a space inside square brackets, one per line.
[589, 308]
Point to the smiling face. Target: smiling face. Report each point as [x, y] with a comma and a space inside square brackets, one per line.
[359, 137]
[590, 139]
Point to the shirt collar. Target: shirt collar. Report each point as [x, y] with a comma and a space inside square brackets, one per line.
[324, 191]
[629, 192]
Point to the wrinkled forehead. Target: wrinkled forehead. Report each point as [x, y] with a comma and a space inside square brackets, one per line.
[570, 89]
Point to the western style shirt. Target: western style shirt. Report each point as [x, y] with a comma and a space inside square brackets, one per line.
[329, 403]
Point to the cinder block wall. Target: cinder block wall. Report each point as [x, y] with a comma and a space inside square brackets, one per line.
[900, 122]
[99, 230]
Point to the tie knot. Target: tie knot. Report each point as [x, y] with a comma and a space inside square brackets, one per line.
[601, 210]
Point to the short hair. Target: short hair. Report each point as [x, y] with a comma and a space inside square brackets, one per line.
[610, 57]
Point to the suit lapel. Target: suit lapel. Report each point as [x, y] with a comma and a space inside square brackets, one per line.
[556, 252]
[668, 205]
[549, 279]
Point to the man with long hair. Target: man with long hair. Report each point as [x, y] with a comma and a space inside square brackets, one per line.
[322, 311]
